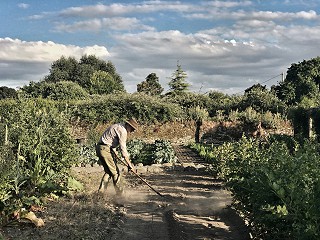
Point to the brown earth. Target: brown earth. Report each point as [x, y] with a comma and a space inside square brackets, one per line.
[193, 205]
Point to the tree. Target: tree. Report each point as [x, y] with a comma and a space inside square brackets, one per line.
[178, 82]
[116, 77]
[255, 87]
[302, 80]
[261, 100]
[63, 69]
[95, 62]
[6, 92]
[103, 83]
[150, 86]
[69, 69]
[90, 65]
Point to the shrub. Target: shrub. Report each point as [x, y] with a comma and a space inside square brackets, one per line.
[64, 90]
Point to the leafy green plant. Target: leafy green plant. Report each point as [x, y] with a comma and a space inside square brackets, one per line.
[274, 185]
[43, 148]
[162, 152]
[137, 150]
[87, 155]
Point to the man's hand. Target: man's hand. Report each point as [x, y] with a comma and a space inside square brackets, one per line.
[130, 166]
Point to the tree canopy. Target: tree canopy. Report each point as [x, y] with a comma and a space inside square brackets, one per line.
[302, 81]
[150, 86]
[94, 75]
[6, 92]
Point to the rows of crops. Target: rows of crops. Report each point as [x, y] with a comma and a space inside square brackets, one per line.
[275, 184]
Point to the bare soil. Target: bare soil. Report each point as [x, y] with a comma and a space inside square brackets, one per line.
[193, 205]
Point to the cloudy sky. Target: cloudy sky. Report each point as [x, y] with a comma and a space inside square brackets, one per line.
[225, 46]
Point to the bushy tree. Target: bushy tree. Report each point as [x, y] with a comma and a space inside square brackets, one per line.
[302, 80]
[6, 92]
[84, 72]
[103, 83]
[63, 90]
[150, 86]
[262, 100]
[63, 69]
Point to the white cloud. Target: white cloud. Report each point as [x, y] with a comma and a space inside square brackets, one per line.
[95, 25]
[22, 61]
[18, 50]
[23, 5]
[118, 9]
[241, 47]
[213, 14]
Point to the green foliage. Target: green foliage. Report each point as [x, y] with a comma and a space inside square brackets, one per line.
[198, 114]
[6, 92]
[139, 151]
[38, 134]
[87, 155]
[63, 90]
[91, 73]
[302, 80]
[103, 83]
[150, 86]
[189, 100]
[63, 69]
[261, 100]
[178, 82]
[161, 151]
[275, 186]
[115, 107]
[252, 117]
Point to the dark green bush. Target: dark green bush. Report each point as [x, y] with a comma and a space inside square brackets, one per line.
[64, 90]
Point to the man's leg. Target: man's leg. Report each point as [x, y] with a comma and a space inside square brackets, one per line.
[110, 166]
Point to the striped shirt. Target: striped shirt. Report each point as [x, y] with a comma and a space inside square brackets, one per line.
[114, 136]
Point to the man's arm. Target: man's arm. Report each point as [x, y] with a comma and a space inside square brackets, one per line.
[125, 161]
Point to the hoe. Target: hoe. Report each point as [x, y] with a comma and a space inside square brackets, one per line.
[136, 174]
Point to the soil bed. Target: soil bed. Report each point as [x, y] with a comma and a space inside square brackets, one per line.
[195, 206]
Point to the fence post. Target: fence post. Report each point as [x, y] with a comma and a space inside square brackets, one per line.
[6, 136]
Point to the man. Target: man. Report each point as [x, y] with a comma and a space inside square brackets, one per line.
[113, 137]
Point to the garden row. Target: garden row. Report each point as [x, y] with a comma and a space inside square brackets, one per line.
[275, 184]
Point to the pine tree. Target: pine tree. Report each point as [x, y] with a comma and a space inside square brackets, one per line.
[178, 82]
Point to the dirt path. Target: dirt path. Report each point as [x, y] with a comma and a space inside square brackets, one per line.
[194, 206]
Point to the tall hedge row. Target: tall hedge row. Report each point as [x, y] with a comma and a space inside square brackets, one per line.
[115, 107]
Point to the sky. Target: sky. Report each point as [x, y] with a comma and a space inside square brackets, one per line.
[224, 46]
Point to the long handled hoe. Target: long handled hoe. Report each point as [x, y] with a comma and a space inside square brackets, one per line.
[142, 179]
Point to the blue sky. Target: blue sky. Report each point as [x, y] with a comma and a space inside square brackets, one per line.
[225, 46]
